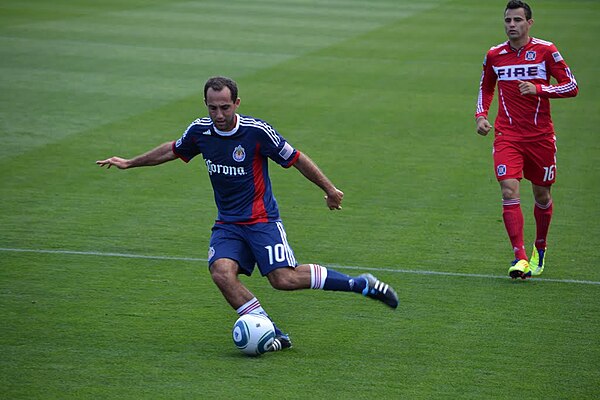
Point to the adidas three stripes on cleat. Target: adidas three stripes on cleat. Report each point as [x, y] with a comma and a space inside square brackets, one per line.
[280, 342]
[379, 290]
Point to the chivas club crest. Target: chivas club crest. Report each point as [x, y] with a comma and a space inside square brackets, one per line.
[530, 56]
[239, 154]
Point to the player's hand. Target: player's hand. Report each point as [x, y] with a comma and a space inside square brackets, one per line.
[334, 199]
[483, 126]
[527, 88]
[118, 162]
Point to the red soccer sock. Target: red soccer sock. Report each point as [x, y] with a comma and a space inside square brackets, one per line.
[513, 222]
[543, 216]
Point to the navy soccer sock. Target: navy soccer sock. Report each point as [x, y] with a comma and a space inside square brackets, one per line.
[330, 279]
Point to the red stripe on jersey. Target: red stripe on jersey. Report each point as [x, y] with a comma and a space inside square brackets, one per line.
[259, 212]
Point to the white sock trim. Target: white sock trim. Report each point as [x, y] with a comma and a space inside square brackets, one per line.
[543, 207]
[511, 202]
[251, 307]
[318, 275]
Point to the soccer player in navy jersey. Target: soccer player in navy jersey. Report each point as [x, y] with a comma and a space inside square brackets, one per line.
[524, 143]
[248, 229]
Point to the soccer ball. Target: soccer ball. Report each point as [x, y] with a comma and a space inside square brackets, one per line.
[253, 334]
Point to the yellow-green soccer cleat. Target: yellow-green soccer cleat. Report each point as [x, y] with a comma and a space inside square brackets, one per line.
[537, 261]
[520, 269]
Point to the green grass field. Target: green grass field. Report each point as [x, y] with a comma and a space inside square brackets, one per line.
[104, 289]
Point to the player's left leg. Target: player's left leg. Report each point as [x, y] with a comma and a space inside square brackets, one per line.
[276, 261]
[542, 212]
[315, 276]
[540, 169]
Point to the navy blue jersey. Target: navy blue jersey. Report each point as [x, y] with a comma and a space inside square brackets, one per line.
[237, 164]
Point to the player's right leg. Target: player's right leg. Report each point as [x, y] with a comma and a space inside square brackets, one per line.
[228, 257]
[513, 222]
[508, 163]
[224, 273]
[519, 269]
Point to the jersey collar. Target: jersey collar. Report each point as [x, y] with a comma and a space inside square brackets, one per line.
[231, 132]
[521, 49]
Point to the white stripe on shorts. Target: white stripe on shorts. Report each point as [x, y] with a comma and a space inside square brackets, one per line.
[289, 254]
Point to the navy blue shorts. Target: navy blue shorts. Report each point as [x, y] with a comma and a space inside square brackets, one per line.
[264, 244]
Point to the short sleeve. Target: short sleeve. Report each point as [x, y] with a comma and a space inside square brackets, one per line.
[274, 146]
[186, 146]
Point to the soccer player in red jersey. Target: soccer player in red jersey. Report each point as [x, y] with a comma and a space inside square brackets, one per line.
[525, 143]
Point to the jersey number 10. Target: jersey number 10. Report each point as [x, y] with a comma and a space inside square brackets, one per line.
[278, 252]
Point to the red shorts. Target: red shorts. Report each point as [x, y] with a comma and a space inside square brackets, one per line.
[534, 160]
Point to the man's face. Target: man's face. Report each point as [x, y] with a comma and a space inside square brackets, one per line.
[221, 108]
[516, 24]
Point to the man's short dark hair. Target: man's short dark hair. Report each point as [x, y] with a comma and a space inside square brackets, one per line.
[514, 4]
[218, 83]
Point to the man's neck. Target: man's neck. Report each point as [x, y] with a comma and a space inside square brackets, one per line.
[519, 43]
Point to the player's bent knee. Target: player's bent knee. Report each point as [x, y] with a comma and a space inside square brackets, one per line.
[219, 278]
[283, 279]
[222, 274]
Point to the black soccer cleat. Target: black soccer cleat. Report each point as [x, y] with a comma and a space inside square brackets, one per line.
[378, 290]
[280, 342]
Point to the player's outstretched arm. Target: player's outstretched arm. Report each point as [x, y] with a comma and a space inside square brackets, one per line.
[333, 196]
[159, 155]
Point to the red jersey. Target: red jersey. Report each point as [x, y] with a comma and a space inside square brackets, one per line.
[524, 116]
